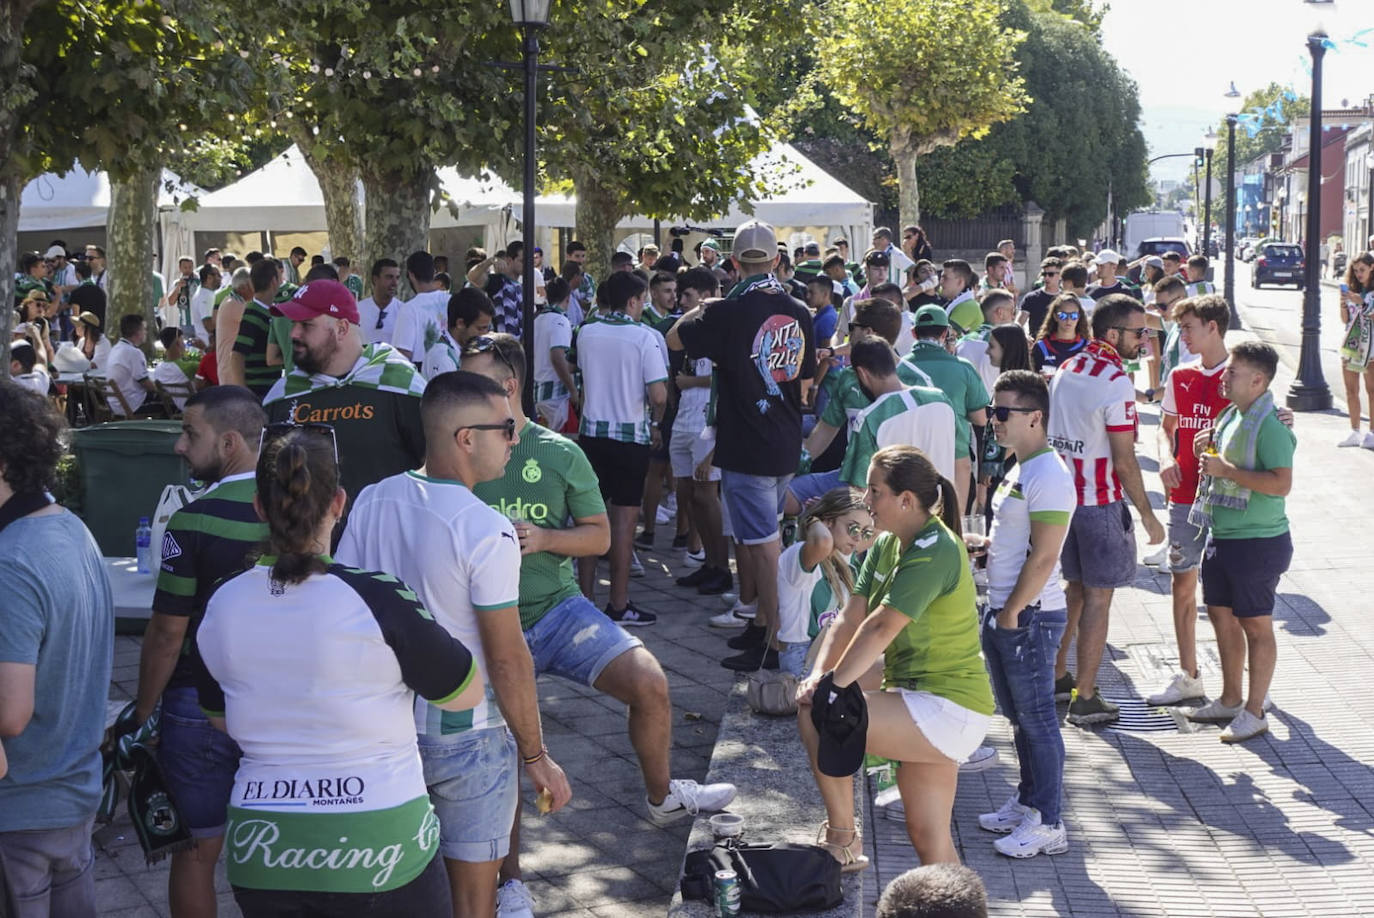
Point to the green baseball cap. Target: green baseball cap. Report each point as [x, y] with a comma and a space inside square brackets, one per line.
[932, 316]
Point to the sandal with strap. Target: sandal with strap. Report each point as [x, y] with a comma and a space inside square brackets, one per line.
[850, 859]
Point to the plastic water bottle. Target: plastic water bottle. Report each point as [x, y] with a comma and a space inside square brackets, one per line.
[143, 538]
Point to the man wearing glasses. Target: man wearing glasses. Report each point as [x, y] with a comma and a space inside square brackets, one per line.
[1026, 612]
[377, 313]
[370, 394]
[1093, 425]
[1036, 304]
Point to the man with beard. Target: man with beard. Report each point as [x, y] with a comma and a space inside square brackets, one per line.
[1093, 426]
[369, 395]
[207, 540]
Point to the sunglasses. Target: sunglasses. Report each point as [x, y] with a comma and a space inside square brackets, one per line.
[1049, 273]
[1066, 316]
[856, 531]
[487, 345]
[1003, 412]
[381, 316]
[1142, 332]
[508, 425]
[273, 432]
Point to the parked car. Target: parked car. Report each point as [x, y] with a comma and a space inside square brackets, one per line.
[1158, 245]
[1278, 263]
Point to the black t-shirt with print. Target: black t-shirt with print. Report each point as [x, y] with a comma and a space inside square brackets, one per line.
[763, 346]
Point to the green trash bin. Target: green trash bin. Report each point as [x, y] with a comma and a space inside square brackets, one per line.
[124, 465]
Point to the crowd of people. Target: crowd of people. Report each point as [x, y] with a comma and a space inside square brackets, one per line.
[925, 477]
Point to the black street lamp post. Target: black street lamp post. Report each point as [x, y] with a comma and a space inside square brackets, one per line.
[1309, 391]
[530, 16]
[1229, 242]
[1207, 205]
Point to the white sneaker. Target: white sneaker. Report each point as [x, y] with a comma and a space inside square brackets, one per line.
[981, 759]
[1214, 712]
[687, 798]
[1007, 817]
[1244, 726]
[636, 567]
[1181, 688]
[669, 503]
[694, 559]
[726, 619]
[1355, 438]
[513, 900]
[662, 516]
[1031, 838]
[1159, 558]
[1368, 441]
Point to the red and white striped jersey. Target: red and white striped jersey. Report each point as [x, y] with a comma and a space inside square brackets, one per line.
[1090, 397]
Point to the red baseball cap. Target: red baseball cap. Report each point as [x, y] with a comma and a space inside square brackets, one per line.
[319, 298]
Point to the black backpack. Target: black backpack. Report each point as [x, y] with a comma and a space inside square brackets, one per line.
[776, 879]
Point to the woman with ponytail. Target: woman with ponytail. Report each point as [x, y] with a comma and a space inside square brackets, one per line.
[914, 606]
[313, 668]
[814, 576]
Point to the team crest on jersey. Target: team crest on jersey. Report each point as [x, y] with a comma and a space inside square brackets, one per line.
[531, 472]
[1130, 412]
[170, 548]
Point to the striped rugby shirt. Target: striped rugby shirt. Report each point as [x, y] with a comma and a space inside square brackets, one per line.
[1091, 397]
[211, 538]
[254, 331]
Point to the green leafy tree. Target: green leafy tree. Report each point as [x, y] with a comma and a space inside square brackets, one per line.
[16, 94]
[1268, 113]
[131, 79]
[940, 71]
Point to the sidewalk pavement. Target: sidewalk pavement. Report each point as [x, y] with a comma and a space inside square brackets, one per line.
[1162, 818]
[600, 856]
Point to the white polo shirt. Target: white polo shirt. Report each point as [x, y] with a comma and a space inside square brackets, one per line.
[125, 367]
[368, 311]
[460, 557]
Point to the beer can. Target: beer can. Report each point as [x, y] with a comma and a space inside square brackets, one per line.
[727, 895]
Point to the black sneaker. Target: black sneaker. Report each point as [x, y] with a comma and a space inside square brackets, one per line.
[750, 660]
[1064, 686]
[630, 616]
[696, 577]
[645, 540]
[680, 541]
[717, 582]
[751, 637]
[1094, 710]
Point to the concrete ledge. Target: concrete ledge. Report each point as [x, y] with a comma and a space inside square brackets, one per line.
[763, 757]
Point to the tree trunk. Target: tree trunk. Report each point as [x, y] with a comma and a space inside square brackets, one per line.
[338, 178]
[132, 222]
[10, 189]
[398, 212]
[17, 90]
[908, 192]
[599, 209]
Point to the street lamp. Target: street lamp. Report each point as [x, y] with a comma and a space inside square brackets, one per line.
[1309, 391]
[1232, 97]
[1209, 145]
[530, 16]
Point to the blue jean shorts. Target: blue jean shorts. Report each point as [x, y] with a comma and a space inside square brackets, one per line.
[809, 487]
[575, 640]
[755, 502]
[198, 763]
[1100, 548]
[473, 780]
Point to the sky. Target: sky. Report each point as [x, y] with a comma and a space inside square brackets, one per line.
[1250, 42]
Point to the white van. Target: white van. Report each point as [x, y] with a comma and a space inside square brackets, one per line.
[1152, 224]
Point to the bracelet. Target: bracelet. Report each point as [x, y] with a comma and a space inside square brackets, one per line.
[528, 760]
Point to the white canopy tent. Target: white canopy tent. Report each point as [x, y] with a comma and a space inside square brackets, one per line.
[807, 195]
[81, 199]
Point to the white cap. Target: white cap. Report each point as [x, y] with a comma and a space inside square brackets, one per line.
[55, 251]
[1108, 256]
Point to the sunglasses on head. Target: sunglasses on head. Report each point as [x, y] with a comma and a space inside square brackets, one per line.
[508, 425]
[1003, 412]
[484, 344]
[273, 432]
[1066, 316]
[856, 531]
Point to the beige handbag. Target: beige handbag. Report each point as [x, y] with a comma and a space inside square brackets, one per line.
[771, 692]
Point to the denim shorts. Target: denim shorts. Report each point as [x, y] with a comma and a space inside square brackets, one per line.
[48, 872]
[754, 502]
[198, 763]
[575, 640]
[473, 780]
[1100, 548]
[1190, 539]
[807, 487]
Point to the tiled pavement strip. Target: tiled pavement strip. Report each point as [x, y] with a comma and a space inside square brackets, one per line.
[1160, 824]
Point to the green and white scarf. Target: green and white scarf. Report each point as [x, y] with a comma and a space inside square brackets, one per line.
[765, 282]
[1241, 450]
[379, 367]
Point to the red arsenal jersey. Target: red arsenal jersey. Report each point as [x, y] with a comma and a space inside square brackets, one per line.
[1193, 395]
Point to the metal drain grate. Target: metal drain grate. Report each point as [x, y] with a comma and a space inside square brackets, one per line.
[1139, 717]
